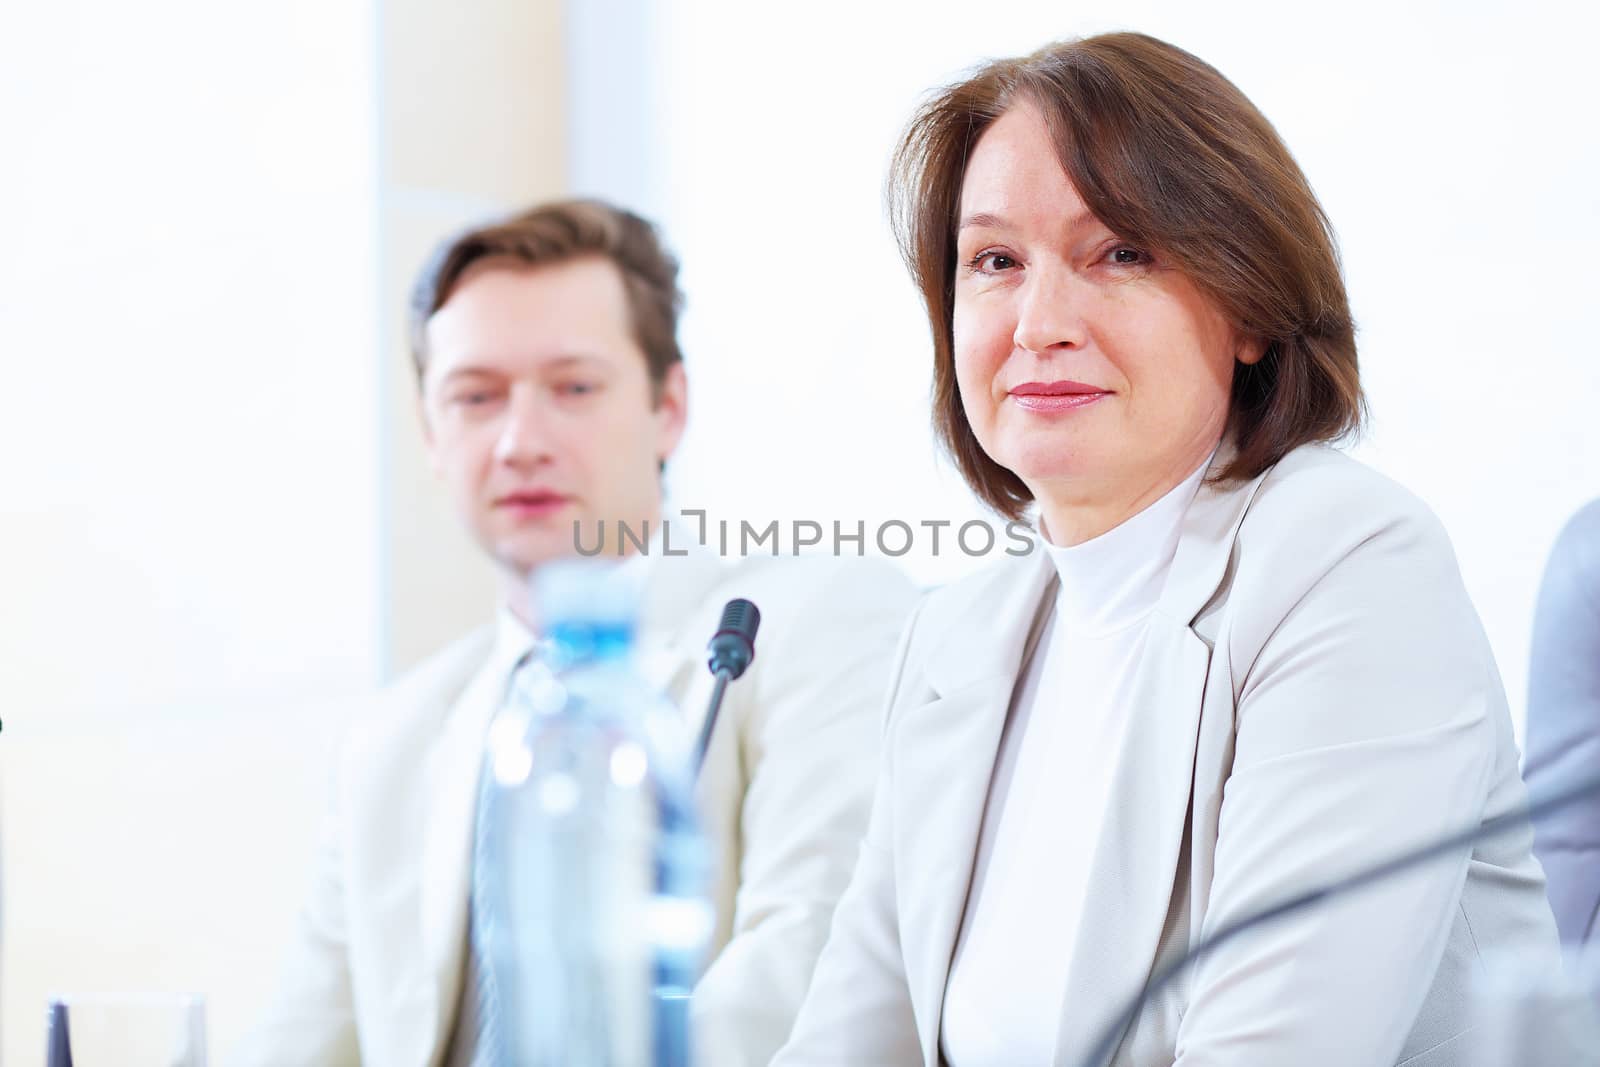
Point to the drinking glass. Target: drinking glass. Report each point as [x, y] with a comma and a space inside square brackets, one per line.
[126, 1030]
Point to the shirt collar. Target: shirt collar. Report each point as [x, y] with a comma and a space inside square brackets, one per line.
[1114, 580]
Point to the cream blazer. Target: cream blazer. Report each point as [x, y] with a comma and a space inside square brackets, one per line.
[1316, 693]
[375, 973]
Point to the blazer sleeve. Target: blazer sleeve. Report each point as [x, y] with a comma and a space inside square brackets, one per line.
[811, 750]
[310, 1021]
[1564, 721]
[858, 1011]
[1364, 725]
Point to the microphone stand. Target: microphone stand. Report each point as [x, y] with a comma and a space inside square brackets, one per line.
[732, 649]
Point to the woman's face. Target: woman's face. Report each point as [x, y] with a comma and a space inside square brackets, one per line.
[1095, 372]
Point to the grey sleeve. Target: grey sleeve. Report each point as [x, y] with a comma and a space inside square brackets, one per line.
[1563, 735]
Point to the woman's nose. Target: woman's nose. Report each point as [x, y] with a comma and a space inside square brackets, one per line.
[1049, 317]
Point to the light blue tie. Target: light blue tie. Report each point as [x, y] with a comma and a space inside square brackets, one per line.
[481, 1008]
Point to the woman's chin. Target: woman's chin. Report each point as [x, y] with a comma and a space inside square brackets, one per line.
[1042, 468]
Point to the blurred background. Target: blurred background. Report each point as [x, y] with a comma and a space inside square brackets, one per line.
[218, 531]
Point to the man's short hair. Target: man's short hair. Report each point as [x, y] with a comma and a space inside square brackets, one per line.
[559, 232]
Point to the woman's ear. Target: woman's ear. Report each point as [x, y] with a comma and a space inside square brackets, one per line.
[1250, 350]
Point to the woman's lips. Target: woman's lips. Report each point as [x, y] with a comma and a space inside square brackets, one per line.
[1060, 402]
[1056, 396]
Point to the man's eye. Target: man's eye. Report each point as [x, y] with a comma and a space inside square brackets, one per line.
[575, 388]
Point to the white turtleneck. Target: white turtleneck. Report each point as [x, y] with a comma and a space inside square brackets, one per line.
[1047, 798]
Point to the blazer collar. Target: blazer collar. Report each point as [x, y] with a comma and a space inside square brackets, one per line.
[450, 781]
[1139, 859]
[973, 672]
[1206, 545]
[1010, 599]
[1012, 595]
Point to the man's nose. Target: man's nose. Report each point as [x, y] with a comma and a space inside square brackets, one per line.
[524, 439]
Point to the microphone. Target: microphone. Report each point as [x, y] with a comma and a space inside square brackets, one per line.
[732, 649]
[1106, 1046]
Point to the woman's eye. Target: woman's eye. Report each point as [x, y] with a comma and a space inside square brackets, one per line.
[990, 262]
[1126, 256]
[575, 388]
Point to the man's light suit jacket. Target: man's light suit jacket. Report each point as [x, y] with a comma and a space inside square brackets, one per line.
[375, 974]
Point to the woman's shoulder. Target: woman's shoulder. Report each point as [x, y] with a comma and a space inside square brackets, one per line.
[1320, 516]
[1318, 487]
[1317, 505]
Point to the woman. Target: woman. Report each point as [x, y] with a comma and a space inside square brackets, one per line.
[1243, 663]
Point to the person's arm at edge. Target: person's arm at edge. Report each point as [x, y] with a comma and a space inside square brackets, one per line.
[1563, 735]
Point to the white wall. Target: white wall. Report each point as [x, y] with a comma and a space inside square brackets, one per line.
[188, 511]
[219, 531]
[1453, 145]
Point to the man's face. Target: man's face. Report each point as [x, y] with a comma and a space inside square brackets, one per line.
[538, 410]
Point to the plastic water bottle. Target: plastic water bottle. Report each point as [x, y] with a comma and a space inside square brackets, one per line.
[600, 873]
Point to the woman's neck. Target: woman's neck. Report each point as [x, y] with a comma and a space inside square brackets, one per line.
[1068, 518]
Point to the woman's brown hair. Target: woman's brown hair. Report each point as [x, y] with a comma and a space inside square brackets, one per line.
[1170, 155]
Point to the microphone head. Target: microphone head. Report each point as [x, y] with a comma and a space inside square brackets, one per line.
[733, 646]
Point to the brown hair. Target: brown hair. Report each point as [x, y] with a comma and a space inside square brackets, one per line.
[1169, 154]
[555, 233]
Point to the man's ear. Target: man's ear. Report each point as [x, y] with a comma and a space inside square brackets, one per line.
[425, 424]
[672, 411]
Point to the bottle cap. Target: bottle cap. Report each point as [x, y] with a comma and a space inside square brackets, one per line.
[587, 607]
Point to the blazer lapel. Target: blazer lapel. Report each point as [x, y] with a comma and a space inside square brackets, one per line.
[1137, 861]
[451, 782]
[942, 782]
[676, 622]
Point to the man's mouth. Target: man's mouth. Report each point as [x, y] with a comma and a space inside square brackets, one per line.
[532, 502]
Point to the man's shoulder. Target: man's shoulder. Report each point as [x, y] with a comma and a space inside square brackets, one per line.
[449, 667]
[794, 592]
[421, 696]
[815, 611]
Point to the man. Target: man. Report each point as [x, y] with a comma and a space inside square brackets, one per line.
[552, 394]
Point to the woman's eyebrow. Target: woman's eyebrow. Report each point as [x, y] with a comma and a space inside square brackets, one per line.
[989, 220]
[984, 219]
